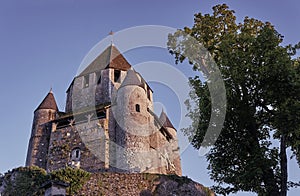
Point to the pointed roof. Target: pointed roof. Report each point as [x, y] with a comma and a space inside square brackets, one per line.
[165, 121]
[131, 79]
[109, 58]
[48, 102]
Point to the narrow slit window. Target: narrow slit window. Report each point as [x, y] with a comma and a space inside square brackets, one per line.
[49, 115]
[77, 154]
[86, 81]
[137, 108]
[148, 93]
[117, 74]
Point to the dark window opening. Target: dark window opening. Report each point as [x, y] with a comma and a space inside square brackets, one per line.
[86, 81]
[137, 108]
[117, 74]
[148, 93]
[75, 155]
[101, 114]
[98, 77]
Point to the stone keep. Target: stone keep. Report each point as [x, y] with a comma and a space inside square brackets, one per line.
[108, 124]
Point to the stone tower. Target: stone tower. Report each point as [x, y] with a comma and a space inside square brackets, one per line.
[41, 130]
[108, 124]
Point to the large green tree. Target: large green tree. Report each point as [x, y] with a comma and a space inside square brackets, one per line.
[262, 85]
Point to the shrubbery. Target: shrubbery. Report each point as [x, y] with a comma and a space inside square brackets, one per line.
[75, 177]
[24, 181]
[28, 180]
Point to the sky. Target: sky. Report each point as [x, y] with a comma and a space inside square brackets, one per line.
[43, 42]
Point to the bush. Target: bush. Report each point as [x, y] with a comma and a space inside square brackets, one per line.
[75, 177]
[24, 181]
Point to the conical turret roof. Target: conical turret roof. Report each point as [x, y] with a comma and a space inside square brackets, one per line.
[131, 79]
[165, 120]
[48, 102]
[109, 58]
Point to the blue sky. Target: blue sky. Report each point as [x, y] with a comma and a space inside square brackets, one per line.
[42, 43]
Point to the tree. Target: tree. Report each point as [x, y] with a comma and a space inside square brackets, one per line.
[262, 84]
[24, 181]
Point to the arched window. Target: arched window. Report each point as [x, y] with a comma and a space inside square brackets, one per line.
[75, 155]
[137, 108]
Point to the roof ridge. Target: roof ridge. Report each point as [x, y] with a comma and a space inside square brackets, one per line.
[110, 54]
[110, 57]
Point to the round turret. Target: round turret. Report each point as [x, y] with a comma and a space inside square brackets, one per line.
[132, 117]
[46, 111]
[174, 164]
[39, 140]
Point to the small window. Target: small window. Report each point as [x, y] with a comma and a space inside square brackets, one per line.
[117, 74]
[75, 155]
[98, 77]
[101, 114]
[49, 115]
[137, 108]
[86, 80]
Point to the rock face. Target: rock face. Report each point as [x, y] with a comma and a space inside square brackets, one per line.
[142, 184]
[35, 181]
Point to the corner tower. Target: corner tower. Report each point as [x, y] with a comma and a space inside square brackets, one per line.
[173, 159]
[41, 130]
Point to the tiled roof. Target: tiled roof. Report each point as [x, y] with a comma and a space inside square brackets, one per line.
[48, 102]
[109, 58]
[165, 121]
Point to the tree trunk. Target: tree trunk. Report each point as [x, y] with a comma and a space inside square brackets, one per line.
[283, 166]
[269, 178]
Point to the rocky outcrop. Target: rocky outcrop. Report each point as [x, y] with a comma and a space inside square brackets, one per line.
[143, 185]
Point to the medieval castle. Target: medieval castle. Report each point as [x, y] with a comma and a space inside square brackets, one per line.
[108, 124]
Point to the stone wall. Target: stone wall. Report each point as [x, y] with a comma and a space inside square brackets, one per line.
[142, 185]
[39, 139]
[100, 89]
[88, 138]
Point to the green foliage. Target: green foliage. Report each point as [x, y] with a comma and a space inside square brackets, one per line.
[28, 180]
[25, 181]
[207, 191]
[150, 177]
[75, 177]
[262, 83]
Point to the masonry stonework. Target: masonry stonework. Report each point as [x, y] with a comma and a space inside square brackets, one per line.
[108, 124]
